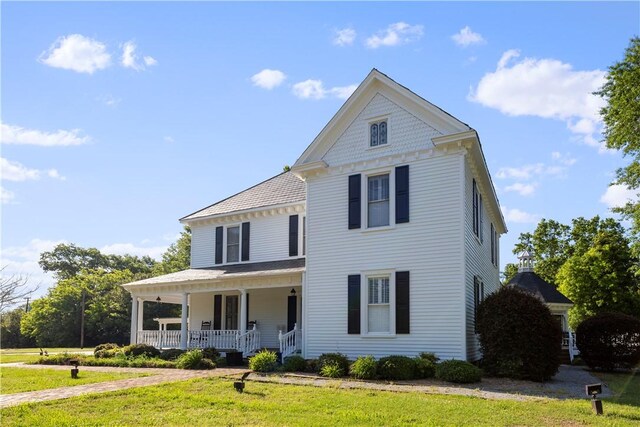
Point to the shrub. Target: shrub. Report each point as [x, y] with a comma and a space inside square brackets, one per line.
[364, 368]
[425, 367]
[264, 361]
[194, 360]
[140, 349]
[103, 347]
[172, 354]
[331, 370]
[210, 353]
[337, 359]
[458, 371]
[431, 357]
[312, 366]
[220, 362]
[609, 341]
[294, 364]
[120, 361]
[396, 368]
[519, 337]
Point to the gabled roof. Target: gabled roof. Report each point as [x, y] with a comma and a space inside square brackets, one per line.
[282, 189]
[531, 282]
[268, 268]
[376, 82]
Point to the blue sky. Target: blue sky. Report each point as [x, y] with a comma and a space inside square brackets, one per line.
[119, 118]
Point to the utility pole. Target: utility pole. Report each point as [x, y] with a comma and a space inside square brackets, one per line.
[26, 309]
[82, 322]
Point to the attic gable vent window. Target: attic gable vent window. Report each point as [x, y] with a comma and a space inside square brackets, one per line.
[378, 133]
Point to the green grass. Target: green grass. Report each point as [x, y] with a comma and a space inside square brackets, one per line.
[214, 402]
[49, 350]
[625, 386]
[11, 358]
[17, 380]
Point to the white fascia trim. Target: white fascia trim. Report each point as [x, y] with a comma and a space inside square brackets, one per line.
[230, 215]
[302, 170]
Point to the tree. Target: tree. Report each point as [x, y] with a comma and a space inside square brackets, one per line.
[178, 256]
[13, 289]
[10, 336]
[621, 116]
[601, 279]
[510, 270]
[67, 260]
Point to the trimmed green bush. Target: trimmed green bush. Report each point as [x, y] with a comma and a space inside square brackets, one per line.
[264, 361]
[364, 368]
[210, 353]
[609, 341]
[108, 353]
[190, 359]
[171, 354]
[430, 357]
[425, 368]
[331, 370]
[396, 368]
[458, 371]
[519, 337]
[312, 366]
[294, 364]
[141, 349]
[120, 361]
[337, 359]
[105, 346]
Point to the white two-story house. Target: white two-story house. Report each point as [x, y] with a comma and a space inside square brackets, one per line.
[382, 239]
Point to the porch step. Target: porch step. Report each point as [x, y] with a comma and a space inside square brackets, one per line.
[564, 357]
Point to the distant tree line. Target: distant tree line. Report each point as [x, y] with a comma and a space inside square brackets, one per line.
[54, 320]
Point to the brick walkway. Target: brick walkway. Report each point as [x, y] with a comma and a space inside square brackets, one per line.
[158, 376]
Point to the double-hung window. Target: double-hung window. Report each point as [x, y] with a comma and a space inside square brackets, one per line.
[378, 133]
[378, 304]
[477, 211]
[378, 201]
[233, 244]
[478, 297]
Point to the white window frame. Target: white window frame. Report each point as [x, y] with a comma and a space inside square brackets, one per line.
[364, 303]
[224, 243]
[364, 208]
[373, 121]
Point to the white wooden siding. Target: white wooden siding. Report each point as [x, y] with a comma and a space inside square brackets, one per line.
[429, 247]
[478, 261]
[405, 133]
[269, 240]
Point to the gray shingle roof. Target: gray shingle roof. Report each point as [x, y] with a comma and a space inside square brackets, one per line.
[268, 268]
[531, 282]
[281, 189]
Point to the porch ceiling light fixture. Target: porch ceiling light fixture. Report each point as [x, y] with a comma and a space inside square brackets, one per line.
[158, 300]
[293, 292]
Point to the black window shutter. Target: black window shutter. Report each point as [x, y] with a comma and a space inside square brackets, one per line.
[402, 302]
[402, 194]
[293, 235]
[354, 201]
[246, 238]
[217, 312]
[248, 312]
[353, 304]
[219, 245]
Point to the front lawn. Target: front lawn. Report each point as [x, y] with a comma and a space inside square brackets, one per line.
[625, 386]
[17, 380]
[214, 402]
[36, 350]
[12, 358]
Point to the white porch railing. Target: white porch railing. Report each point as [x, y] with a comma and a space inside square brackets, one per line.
[573, 348]
[290, 341]
[249, 342]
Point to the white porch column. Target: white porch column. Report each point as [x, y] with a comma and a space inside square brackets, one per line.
[134, 319]
[183, 323]
[243, 311]
[140, 314]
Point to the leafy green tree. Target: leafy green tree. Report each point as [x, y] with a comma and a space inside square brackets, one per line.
[178, 256]
[510, 270]
[621, 116]
[601, 279]
[10, 336]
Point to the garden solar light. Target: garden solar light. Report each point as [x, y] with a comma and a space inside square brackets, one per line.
[594, 390]
[74, 370]
[239, 385]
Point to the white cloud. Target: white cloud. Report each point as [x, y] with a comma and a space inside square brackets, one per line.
[78, 53]
[618, 195]
[546, 88]
[522, 189]
[6, 196]
[130, 58]
[344, 37]
[154, 252]
[109, 100]
[150, 61]
[23, 260]
[395, 35]
[559, 165]
[16, 171]
[564, 159]
[268, 79]
[169, 139]
[10, 134]
[519, 216]
[314, 89]
[466, 37]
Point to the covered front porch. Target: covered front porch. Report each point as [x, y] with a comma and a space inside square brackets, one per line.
[244, 309]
